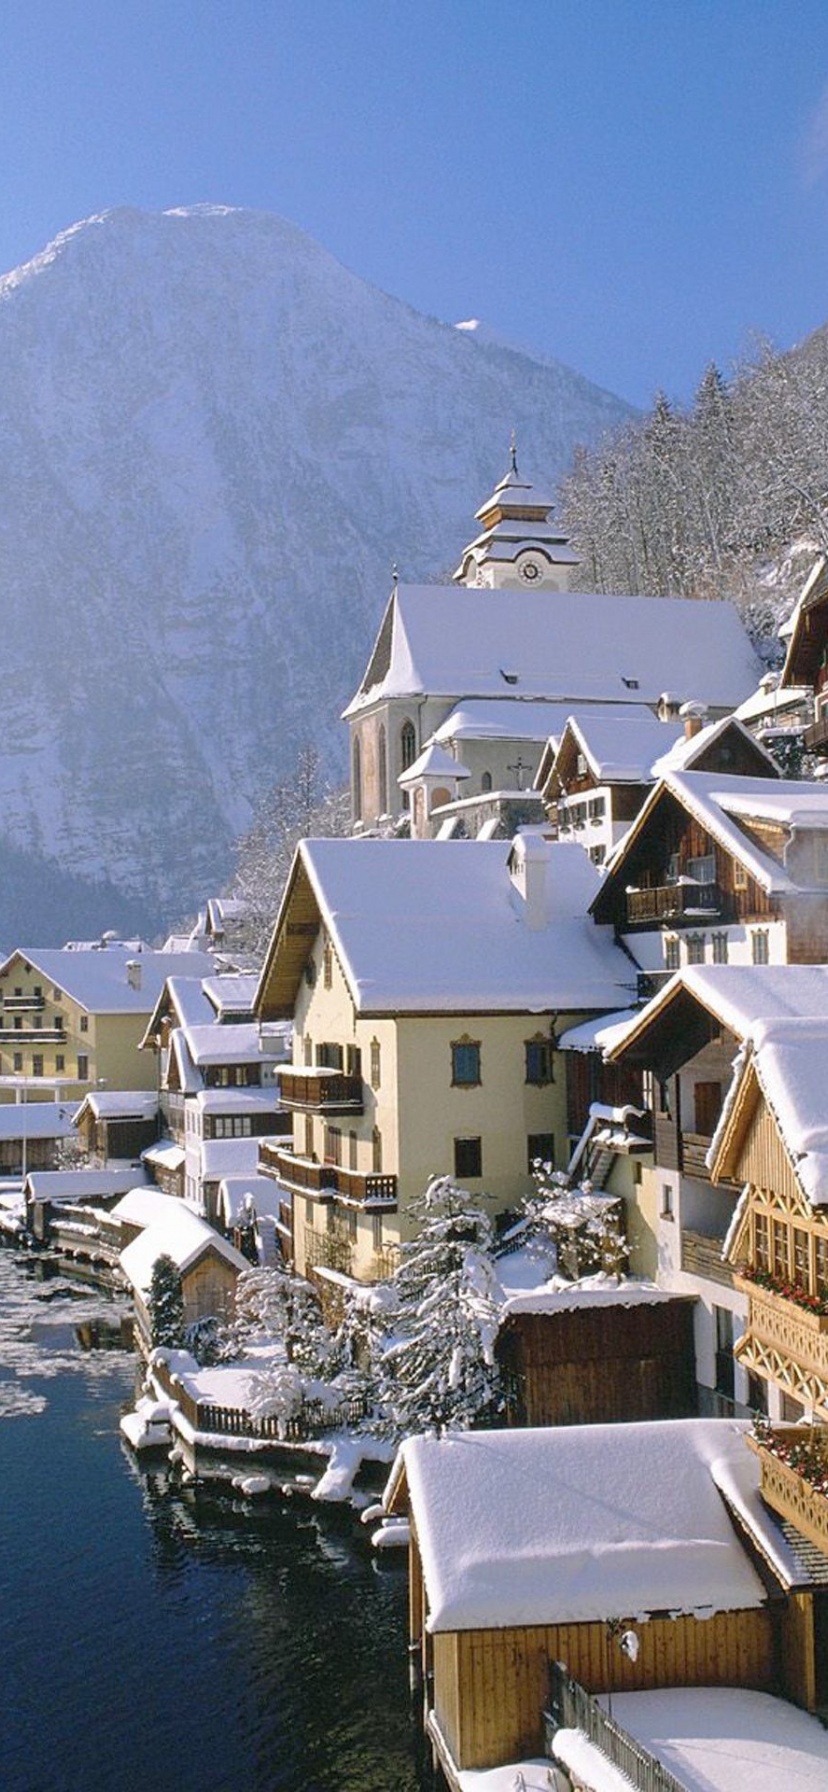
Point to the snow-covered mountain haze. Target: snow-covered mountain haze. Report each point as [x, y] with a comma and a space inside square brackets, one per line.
[215, 441]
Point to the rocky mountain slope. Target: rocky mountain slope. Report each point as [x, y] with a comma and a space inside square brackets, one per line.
[214, 441]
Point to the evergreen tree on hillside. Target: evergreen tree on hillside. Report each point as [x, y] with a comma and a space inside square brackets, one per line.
[165, 1304]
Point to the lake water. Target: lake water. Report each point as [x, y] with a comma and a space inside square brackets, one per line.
[165, 1639]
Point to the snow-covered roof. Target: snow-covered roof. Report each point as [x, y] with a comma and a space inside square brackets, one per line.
[433, 762]
[622, 748]
[429, 926]
[217, 1044]
[231, 1196]
[166, 1155]
[144, 1206]
[98, 980]
[687, 750]
[581, 646]
[228, 1157]
[181, 1235]
[557, 1296]
[79, 1185]
[789, 1058]
[119, 1104]
[36, 1119]
[261, 1098]
[739, 995]
[598, 1035]
[506, 718]
[231, 992]
[576, 1524]
[712, 1739]
[725, 805]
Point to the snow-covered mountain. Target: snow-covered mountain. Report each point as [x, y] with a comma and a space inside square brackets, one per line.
[215, 441]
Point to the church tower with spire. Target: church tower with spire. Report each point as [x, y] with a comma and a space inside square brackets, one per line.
[519, 546]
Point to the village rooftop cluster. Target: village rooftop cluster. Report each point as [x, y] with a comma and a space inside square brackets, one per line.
[581, 923]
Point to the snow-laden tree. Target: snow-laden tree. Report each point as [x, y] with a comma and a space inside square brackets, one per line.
[273, 1306]
[439, 1371]
[584, 1227]
[301, 806]
[165, 1304]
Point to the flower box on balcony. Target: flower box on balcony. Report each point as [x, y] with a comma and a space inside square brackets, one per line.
[784, 1304]
[789, 1494]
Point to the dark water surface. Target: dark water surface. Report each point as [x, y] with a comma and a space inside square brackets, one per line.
[160, 1639]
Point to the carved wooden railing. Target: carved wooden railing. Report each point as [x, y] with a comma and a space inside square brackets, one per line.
[785, 1342]
[787, 1490]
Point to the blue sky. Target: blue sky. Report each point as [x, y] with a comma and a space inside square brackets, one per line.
[635, 186]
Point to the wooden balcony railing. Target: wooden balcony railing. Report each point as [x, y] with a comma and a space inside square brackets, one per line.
[677, 903]
[786, 1489]
[816, 736]
[702, 1256]
[694, 1149]
[23, 1004]
[360, 1187]
[322, 1091]
[785, 1343]
[573, 1708]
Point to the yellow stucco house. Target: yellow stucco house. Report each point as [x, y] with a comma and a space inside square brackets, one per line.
[427, 982]
[72, 1018]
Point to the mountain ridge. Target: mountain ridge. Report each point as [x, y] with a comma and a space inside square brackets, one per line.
[214, 441]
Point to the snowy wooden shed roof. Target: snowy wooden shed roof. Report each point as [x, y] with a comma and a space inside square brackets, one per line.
[576, 1524]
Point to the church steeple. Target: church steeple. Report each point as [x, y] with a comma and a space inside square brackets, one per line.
[518, 546]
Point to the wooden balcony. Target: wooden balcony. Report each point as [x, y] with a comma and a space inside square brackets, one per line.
[702, 1256]
[787, 1490]
[785, 1343]
[694, 1149]
[679, 903]
[32, 1036]
[23, 1004]
[322, 1091]
[357, 1188]
[816, 736]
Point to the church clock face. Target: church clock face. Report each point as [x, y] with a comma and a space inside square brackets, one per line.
[529, 571]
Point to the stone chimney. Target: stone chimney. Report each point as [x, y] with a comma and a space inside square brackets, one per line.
[528, 867]
[694, 716]
[134, 970]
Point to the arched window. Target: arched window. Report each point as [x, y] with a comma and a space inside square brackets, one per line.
[383, 772]
[408, 745]
[486, 781]
[356, 760]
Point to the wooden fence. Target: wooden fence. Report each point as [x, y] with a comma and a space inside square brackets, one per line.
[314, 1419]
[572, 1708]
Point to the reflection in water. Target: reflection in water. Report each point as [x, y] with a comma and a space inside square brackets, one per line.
[169, 1638]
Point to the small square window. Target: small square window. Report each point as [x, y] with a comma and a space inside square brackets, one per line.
[468, 1157]
[465, 1064]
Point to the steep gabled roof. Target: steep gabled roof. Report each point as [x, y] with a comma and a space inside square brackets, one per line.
[584, 647]
[700, 999]
[431, 926]
[807, 629]
[784, 1063]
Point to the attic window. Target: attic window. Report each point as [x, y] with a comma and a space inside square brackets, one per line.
[631, 683]
[508, 677]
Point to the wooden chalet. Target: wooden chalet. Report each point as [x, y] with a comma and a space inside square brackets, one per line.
[722, 869]
[806, 660]
[117, 1125]
[527, 1546]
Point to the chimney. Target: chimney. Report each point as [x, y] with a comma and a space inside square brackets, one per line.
[133, 971]
[693, 716]
[528, 863]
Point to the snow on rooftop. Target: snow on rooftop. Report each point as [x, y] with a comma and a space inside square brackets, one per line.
[505, 718]
[575, 646]
[422, 925]
[228, 1157]
[231, 992]
[69, 1185]
[120, 1104]
[739, 995]
[723, 1739]
[98, 978]
[624, 747]
[598, 1035]
[217, 1044]
[573, 1524]
[179, 1234]
[789, 1057]
[36, 1119]
[433, 762]
[720, 802]
[145, 1206]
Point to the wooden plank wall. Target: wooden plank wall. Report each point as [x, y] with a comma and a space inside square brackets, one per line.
[600, 1367]
[491, 1686]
